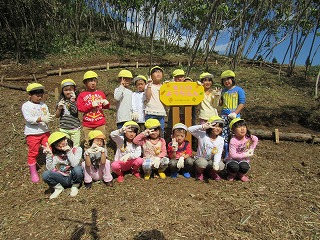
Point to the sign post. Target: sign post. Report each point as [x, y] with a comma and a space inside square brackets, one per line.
[185, 94]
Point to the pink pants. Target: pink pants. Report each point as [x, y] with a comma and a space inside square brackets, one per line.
[34, 142]
[102, 173]
[134, 164]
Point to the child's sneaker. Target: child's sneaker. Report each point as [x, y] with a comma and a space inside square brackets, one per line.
[174, 175]
[120, 178]
[108, 184]
[146, 177]
[88, 185]
[162, 175]
[200, 176]
[186, 175]
[243, 178]
[136, 174]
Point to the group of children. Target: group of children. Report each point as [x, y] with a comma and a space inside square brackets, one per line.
[139, 136]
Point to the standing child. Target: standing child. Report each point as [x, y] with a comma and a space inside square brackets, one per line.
[91, 102]
[154, 149]
[211, 98]
[123, 97]
[241, 148]
[210, 147]
[67, 111]
[154, 107]
[180, 152]
[128, 154]
[96, 166]
[138, 99]
[62, 162]
[37, 117]
[232, 100]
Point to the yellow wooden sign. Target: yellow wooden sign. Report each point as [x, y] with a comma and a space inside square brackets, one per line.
[181, 93]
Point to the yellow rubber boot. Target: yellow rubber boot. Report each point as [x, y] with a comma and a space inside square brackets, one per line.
[162, 175]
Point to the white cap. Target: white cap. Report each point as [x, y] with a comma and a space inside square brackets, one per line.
[180, 125]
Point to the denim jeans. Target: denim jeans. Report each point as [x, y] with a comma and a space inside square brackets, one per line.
[53, 178]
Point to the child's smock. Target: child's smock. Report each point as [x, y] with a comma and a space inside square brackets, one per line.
[31, 112]
[183, 149]
[231, 99]
[131, 148]
[69, 116]
[92, 116]
[154, 106]
[138, 105]
[238, 148]
[208, 106]
[157, 149]
[65, 162]
[123, 97]
[207, 148]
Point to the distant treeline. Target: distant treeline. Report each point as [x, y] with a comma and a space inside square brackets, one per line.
[32, 28]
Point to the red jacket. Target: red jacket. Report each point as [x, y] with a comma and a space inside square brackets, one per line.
[92, 116]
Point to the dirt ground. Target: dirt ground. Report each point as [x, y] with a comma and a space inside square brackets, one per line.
[281, 201]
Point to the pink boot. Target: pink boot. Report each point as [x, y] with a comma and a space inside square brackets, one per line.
[243, 177]
[231, 176]
[34, 173]
[214, 175]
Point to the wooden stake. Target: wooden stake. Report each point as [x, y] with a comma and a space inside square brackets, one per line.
[137, 65]
[276, 135]
[60, 71]
[56, 94]
[108, 66]
[188, 122]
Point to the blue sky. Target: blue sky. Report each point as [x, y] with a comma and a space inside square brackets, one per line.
[279, 51]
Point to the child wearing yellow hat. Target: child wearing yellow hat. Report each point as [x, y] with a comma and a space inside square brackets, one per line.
[67, 111]
[96, 166]
[241, 149]
[128, 154]
[154, 107]
[154, 149]
[91, 103]
[63, 165]
[123, 97]
[37, 116]
[138, 101]
[210, 147]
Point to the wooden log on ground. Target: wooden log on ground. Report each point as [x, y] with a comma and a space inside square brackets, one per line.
[25, 78]
[295, 137]
[12, 87]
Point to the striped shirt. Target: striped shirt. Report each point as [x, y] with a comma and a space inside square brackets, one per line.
[69, 116]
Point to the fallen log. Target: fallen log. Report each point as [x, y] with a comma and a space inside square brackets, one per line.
[24, 78]
[295, 137]
[103, 66]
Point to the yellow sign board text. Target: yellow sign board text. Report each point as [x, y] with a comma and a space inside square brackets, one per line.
[181, 93]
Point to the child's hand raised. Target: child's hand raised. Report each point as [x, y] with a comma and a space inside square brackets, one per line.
[147, 132]
[174, 145]
[61, 104]
[47, 149]
[150, 81]
[72, 96]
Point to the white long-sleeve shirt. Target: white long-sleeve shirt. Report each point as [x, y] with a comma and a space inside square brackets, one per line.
[123, 97]
[138, 105]
[62, 163]
[31, 112]
[207, 147]
[131, 148]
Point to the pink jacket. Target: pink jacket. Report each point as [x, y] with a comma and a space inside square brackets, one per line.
[151, 149]
[238, 148]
